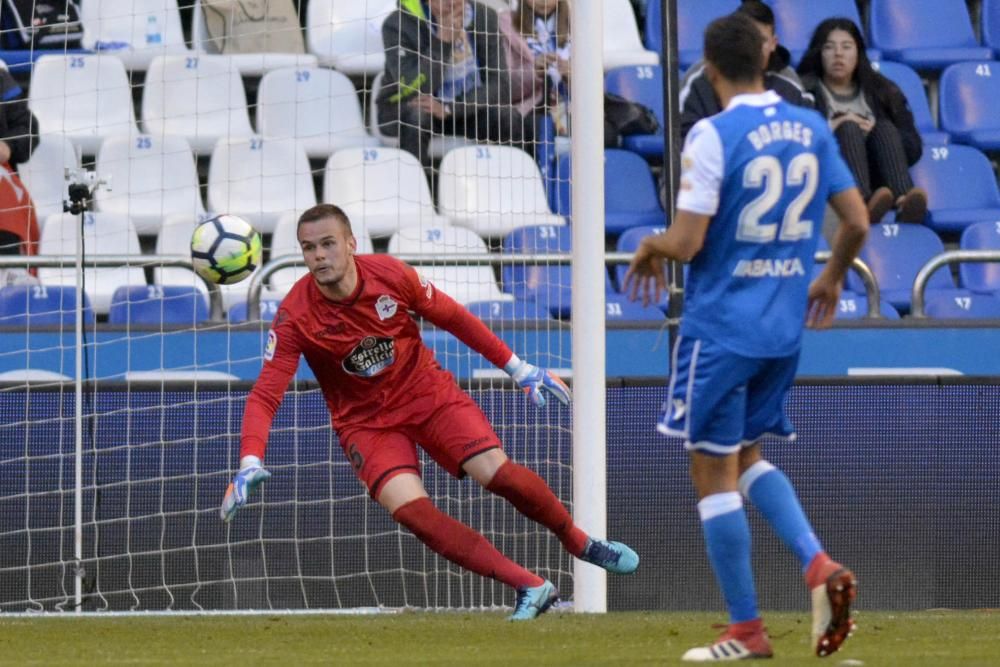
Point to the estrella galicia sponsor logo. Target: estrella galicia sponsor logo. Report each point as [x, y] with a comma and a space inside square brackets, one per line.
[271, 346]
[371, 356]
[385, 306]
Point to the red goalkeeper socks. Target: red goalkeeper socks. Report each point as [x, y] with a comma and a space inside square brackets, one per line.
[461, 544]
[533, 498]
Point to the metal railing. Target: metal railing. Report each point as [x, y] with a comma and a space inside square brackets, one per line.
[115, 261]
[935, 263]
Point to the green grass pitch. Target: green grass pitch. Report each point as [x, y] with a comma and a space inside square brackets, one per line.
[941, 639]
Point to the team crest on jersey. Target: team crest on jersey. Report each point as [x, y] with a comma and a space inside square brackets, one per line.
[371, 356]
[385, 306]
[271, 346]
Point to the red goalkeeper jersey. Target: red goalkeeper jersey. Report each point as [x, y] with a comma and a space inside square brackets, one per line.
[366, 351]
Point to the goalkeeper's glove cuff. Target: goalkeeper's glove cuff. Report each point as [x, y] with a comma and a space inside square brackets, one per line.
[250, 461]
[536, 381]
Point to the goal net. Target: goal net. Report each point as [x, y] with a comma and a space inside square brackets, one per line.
[123, 376]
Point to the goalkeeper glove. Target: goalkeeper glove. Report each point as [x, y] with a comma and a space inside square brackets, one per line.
[534, 381]
[251, 475]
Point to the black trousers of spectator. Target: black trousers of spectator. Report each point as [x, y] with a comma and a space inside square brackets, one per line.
[10, 243]
[495, 124]
[875, 159]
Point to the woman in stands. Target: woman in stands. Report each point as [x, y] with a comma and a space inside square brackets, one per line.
[870, 117]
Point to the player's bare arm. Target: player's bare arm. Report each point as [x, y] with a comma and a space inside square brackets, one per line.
[824, 292]
[681, 242]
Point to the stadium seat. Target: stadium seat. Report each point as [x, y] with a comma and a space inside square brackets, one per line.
[260, 179]
[104, 234]
[913, 88]
[854, 306]
[492, 190]
[895, 253]
[622, 44]
[630, 197]
[200, 98]
[508, 310]
[285, 241]
[961, 187]
[969, 96]
[44, 174]
[795, 22]
[247, 64]
[693, 16]
[619, 308]
[642, 84]
[982, 278]
[133, 30]
[158, 305]
[466, 283]
[317, 107]
[151, 178]
[41, 305]
[347, 34]
[989, 17]
[385, 189]
[548, 285]
[629, 242]
[84, 97]
[268, 309]
[928, 35]
[969, 306]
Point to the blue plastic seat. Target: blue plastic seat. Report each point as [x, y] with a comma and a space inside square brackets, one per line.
[238, 311]
[925, 34]
[961, 187]
[642, 84]
[895, 253]
[41, 305]
[909, 82]
[795, 21]
[508, 310]
[548, 285]
[970, 97]
[982, 278]
[972, 306]
[989, 17]
[630, 197]
[618, 308]
[854, 306]
[693, 16]
[158, 305]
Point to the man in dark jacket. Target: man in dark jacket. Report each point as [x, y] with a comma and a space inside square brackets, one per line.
[445, 74]
[698, 100]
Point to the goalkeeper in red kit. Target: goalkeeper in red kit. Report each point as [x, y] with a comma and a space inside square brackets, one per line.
[351, 320]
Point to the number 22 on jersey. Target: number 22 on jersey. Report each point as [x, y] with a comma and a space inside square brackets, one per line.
[765, 171]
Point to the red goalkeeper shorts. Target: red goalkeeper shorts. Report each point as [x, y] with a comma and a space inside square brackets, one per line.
[446, 423]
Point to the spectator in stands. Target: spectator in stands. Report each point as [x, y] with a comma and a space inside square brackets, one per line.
[252, 26]
[698, 100]
[870, 117]
[18, 226]
[445, 73]
[537, 38]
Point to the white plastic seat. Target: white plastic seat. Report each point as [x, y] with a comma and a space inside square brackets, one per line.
[85, 97]
[347, 34]
[622, 43]
[493, 190]
[383, 188]
[200, 98]
[151, 178]
[248, 64]
[317, 107]
[285, 241]
[104, 234]
[134, 30]
[44, 174]
[260, 179]
[436, 148]
[465, 284]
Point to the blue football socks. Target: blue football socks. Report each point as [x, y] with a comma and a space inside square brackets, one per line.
[727, 538]
[771, 491]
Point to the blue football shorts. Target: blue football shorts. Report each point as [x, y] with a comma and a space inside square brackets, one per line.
[720, 402]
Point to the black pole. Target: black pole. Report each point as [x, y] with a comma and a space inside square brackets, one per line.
[672, 149]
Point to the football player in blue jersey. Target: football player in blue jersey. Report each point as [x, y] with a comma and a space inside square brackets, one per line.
[755, 179]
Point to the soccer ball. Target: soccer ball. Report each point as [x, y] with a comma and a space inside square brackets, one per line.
[225, 249]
